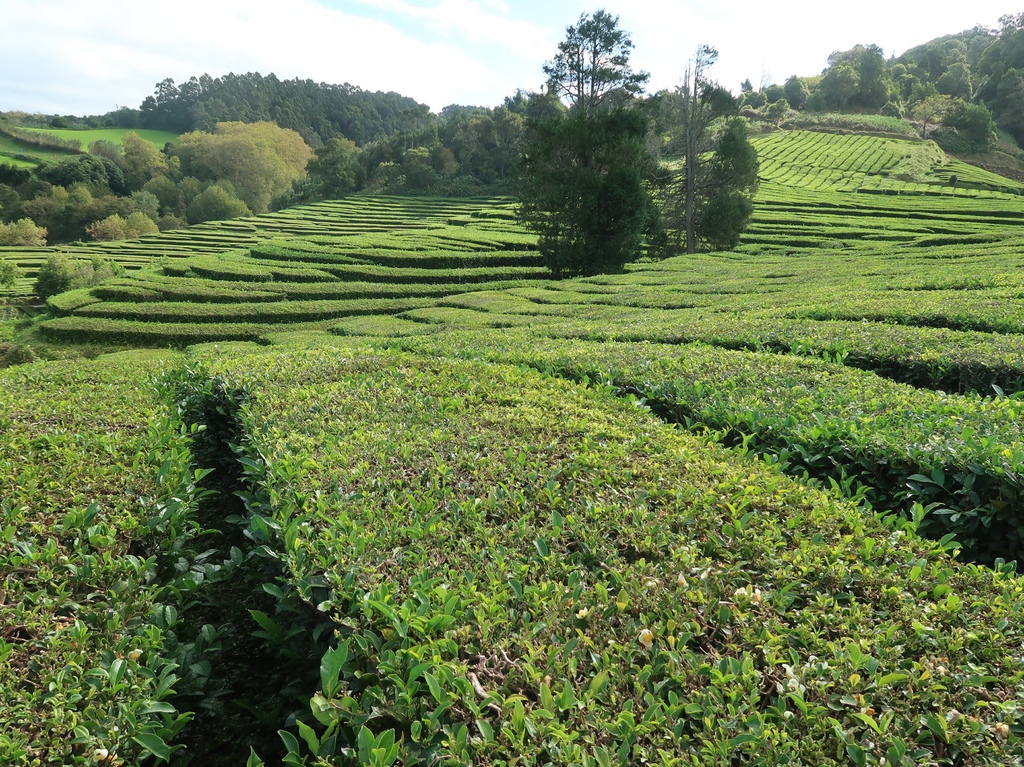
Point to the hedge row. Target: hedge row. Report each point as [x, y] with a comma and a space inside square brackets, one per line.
[989, 311]
[69, 301]
[960, 457]
[259, 312]
[433, 276]
[89, 330]
[246, 269]
[930, 358]
[461, 259]
[290, 251]
[97, 499]
[521, 570]
[195, 291]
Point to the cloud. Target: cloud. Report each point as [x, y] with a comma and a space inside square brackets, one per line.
[72, 57]
[111, 52]
[476, 23]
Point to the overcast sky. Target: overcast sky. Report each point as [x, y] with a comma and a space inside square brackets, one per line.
[77, 57]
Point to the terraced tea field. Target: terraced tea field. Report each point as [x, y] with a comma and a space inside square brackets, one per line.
[336, 218]
[734, 508]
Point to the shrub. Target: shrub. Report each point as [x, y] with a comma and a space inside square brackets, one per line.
[60, 273]
[15, 354]
[9, 274]
[116, 227]
[23, 232]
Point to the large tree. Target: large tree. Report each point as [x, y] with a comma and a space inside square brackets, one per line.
[583, 190]
[584, 169]
[707, 192]
[261, 160]
[335, 171]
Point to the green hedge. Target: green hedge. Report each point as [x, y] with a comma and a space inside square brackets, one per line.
[931, 358]
[69, 301]
[519, 570]
[97, 505]
[261, 312]
[433, 276]
[295, 250]
[91, 330]
[960, 457]
[441, 259]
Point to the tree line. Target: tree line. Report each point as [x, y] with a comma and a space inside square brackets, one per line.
[316, 111]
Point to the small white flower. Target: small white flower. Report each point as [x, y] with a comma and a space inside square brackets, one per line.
[100, 754]
[681, 580]
[1001, 730]
[135, 654]
[582, 613]
[646, 638]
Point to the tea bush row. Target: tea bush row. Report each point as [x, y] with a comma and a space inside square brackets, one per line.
[97, 497]
[959, 457]
[522, 570]
[259, 312]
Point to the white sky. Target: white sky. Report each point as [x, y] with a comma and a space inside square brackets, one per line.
[76, 57]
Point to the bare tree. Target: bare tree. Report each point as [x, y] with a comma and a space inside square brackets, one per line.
[719, 167]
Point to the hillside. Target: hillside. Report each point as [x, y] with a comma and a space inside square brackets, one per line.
[21, 153]
[114, 135]
[407, 500]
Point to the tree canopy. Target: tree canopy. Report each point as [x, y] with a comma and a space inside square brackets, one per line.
[592, 63]
[260, 160]
[583, 190]
[317, 111]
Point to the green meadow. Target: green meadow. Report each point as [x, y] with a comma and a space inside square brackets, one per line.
[358, 483]
[157, 137]
[25, 154]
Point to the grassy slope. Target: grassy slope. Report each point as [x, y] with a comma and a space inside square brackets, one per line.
[24, 154]
[157, 137]
[28, 155]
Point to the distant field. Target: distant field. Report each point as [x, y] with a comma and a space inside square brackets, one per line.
[157, 137]
[16, 161]
[26, 155]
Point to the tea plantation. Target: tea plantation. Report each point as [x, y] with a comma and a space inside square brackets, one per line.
[381, 492]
